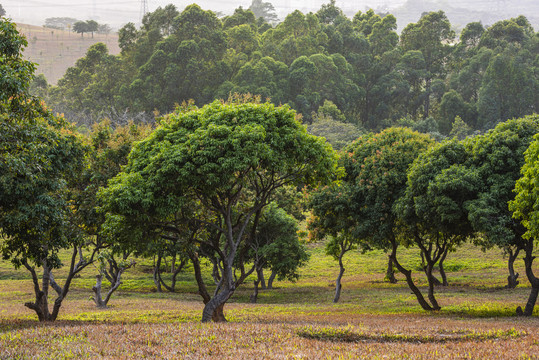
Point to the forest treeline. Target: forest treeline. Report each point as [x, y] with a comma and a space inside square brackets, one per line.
[424, 78]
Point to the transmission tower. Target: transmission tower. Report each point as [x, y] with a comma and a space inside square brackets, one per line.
[143, 9]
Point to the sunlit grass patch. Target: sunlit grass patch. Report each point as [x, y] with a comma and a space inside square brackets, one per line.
[348, 334]
[484, 310]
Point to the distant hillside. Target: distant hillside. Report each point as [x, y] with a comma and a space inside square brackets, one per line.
[462, 12]
[56, 50]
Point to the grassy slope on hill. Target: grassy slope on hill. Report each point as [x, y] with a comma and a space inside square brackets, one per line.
[56, 50]
[374, 319]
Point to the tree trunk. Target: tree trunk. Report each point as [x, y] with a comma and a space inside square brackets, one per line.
[512, 281]
[260, 274]
[177, 270]
[115, 284]
[156, 270]
[432, 278]
[213, 310]
[338, 285]
[271, 278]
[427, 97]
[390, 273]
[202, 291]
[408, 275]
[254, 296]
[441, 265]
[41, 305]
[97, 290]
[534, 281]
[173, 265]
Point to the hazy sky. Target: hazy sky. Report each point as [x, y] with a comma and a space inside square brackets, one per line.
[118, 12]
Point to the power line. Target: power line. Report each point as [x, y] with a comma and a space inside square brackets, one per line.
[143, 9]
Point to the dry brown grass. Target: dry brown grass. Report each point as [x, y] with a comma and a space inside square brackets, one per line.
[56, 50]
[274, 338]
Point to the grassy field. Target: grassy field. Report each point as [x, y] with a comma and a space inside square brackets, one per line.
[294, 321]
[56, 50]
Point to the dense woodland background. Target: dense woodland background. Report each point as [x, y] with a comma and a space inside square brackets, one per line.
[423, 79]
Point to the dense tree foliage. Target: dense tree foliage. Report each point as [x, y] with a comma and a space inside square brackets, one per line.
[40, 163]
[107, 151]
[221, 164]
[524, 207]
[373, 76]
[360, 212]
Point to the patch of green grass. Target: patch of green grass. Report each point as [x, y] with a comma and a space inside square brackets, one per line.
[347, 334]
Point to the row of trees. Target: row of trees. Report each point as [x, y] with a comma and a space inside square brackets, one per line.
[424, 78]
[403, 189]
[78, 26]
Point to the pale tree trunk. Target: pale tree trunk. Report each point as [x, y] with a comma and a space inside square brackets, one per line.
[114, 276]
[41, 305]
[213, 310]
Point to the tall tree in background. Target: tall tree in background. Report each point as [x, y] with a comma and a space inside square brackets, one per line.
[80, 27]
[265, 10]
[432, 36]
[2, 11]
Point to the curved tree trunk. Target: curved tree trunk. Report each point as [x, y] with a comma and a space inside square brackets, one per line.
[431, 277]
[271, 279]
[114, 276]
[99, 301]
[177, 270]
[534, 281]
[512, 281]
[431, 296]
[408, 275]
[41, 305]
[338, 285]
[213, 310]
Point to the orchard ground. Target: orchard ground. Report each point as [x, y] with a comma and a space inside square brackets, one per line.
[374, 319]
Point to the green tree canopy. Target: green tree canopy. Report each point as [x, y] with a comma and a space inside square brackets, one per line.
[524, 208]
[229, 159]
